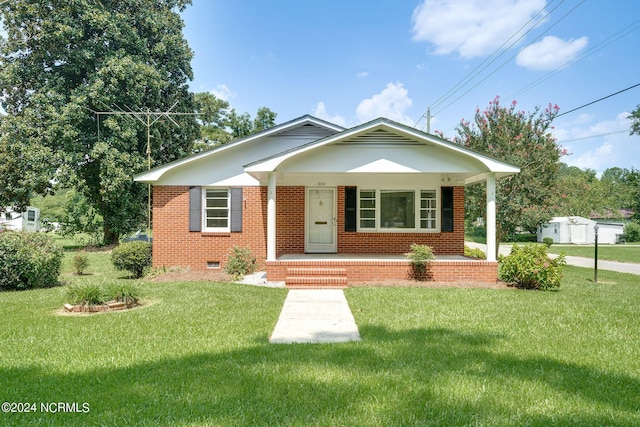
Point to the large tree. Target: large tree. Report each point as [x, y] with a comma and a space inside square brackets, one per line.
[580, 193]
[64, 60]
[524, 200]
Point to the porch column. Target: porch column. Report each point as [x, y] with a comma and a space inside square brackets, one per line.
[271, 217]
[491, 217]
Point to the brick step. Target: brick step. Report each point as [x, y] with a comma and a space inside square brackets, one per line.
[317, 271]
[316, 280]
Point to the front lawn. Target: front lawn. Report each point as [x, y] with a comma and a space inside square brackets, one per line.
[621, 253]
[198, 354]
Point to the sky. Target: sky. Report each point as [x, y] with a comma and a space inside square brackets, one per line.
[351, 61]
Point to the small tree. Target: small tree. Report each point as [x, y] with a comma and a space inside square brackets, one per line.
[523, 200]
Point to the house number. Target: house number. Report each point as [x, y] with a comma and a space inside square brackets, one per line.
[321, 184]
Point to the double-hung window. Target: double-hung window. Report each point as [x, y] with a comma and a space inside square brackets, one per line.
[216, 211]
[401, 210]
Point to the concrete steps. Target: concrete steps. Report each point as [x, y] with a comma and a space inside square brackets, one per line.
[314, 277]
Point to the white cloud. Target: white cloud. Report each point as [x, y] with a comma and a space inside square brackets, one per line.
[222, 91]
[471, 27]
[391, 103]
[362, 74]
[321, 113]
[551, 53]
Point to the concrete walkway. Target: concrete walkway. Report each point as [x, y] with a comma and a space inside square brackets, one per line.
[315, 316]
[621, 267]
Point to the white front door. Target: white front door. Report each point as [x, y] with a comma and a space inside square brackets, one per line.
[320, 235]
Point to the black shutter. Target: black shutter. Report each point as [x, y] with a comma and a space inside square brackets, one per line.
[350, 207]
[446, 195]
[236, 209]
[195, 208]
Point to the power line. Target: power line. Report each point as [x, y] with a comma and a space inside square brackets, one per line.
[597, 100]
[508, 60]
[477, 70]
[594, 136]
[606, 42]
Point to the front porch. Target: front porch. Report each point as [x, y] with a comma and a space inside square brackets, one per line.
[337, 270]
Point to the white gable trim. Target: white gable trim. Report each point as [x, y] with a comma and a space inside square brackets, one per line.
[493, 165]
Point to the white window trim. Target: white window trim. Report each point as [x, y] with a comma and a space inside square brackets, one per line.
[378, 200]
[206, 229]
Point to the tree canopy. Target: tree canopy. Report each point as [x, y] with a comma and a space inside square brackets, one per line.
[635, 121]
[221, 123]
[61, 62]
[526, 199]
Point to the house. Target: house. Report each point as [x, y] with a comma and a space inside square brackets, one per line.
[579, 230]
[28, 220]
[311, 198]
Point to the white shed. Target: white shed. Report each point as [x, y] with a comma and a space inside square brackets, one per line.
[579, 230]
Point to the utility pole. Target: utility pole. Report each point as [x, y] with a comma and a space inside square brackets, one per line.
[145, 118]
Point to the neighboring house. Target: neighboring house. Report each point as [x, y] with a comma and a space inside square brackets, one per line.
[29, 220]
[311, 198]
[580, 231]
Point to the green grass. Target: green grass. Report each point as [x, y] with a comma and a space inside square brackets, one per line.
[621, 253]
[197, 354]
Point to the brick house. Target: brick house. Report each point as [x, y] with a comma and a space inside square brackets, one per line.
[321, 204]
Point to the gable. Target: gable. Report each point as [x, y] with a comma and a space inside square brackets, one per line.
[224, 165]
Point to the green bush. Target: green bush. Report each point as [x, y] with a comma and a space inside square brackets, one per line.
[134, 257]
[124, 292]
[529, 267]
[80, 263]
[632, 230]
[87, 294]
[474, 253]
[420, 257]
[548, 241]
[28, 260]
[240, 262]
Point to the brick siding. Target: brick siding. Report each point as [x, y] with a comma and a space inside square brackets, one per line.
[175, 245]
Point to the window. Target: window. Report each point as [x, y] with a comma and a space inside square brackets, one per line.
[367, 208]
[216, 209]
[406, 210]
[428, 206]
[397, 209]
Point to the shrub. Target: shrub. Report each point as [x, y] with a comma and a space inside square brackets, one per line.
[134, 257]
[28, 260]
[240, 262]
[80, 263]
[529, 267]
[420, 257]
[474, 253]
[548, 241]
[87, 294]
[632, 230]
[124, 292]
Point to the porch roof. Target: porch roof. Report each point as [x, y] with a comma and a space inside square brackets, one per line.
[382, 146]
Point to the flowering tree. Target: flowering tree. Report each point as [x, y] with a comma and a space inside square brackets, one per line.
[524, 200]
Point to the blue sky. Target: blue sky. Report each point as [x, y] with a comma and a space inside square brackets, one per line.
[352, 61]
